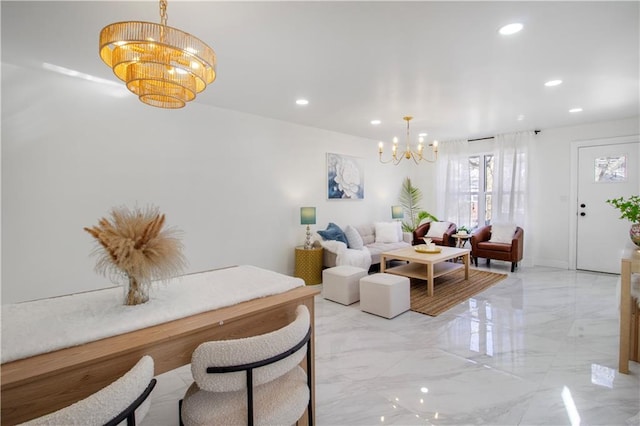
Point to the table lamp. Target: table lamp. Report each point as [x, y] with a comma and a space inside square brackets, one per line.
[397, 212]
[308, 217]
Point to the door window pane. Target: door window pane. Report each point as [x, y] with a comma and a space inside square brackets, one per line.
[611, 169]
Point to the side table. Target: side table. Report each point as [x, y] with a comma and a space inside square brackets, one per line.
[309, 265]
[461, 239]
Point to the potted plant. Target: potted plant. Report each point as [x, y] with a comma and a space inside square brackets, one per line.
[463, 230]
[629, 209]
[410, 197]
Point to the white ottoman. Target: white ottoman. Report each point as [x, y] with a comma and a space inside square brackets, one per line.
[386, 295]
[342, 284]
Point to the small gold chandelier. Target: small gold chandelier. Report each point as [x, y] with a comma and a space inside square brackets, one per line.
[409, 154]
[164, 66]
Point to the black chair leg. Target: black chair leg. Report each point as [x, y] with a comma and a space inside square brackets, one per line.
[514, 265]
[180, 412]
[488, 261]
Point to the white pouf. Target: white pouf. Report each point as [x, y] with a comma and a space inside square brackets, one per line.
[385, 295]
[342, 283]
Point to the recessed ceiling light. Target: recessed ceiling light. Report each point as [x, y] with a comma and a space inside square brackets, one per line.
[552, 83]
[302, 102]
[511, 28]
[422, 135]
[375, 122]
[575, 110]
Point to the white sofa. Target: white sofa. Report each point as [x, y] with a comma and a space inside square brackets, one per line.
[364, 246]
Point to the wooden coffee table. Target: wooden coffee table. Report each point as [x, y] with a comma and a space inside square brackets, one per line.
[426, 266]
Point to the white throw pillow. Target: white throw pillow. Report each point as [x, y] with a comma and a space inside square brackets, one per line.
[437, 229]
[353, 238]
[387, 232]
[502, 232]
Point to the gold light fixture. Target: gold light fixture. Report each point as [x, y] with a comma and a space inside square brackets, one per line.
[164, 66]
[416, 155]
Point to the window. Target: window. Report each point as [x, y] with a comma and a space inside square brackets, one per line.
[480, 189]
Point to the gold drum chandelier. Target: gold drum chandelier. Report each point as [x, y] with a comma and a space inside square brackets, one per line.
[164, 66]
[416, 155]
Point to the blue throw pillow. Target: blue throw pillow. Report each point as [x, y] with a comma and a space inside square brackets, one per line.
[333, 232]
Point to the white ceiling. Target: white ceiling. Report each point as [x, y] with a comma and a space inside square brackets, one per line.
[442, 62]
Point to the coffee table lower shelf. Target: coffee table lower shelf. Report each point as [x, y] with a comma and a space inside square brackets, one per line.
[419, 270]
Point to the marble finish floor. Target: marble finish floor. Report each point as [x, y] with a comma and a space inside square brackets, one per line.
[539, 348]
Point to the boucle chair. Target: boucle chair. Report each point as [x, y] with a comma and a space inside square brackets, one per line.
[254, 380]
[124, 399]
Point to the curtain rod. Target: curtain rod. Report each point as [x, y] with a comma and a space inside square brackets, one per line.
[493, 137]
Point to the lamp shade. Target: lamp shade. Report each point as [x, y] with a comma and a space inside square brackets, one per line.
[397, 212]
[307, 215]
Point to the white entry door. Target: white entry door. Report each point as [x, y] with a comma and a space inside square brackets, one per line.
[604, 172]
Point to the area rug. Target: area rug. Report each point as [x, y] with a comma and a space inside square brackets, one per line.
[450, 290]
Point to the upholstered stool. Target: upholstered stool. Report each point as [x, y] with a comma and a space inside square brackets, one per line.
[342, 284]
[386, 295]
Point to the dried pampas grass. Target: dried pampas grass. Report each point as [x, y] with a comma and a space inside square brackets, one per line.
[134, 243]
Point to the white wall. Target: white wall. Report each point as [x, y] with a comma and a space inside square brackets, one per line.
[232, 182]
[552, 207]
[550, 176]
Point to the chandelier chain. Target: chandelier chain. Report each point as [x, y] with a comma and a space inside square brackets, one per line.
[163, 12]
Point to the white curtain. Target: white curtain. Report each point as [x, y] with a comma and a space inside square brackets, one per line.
[453, 182]
[510, 195]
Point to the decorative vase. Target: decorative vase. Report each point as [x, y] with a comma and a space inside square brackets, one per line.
[634, 233]
[137, 293]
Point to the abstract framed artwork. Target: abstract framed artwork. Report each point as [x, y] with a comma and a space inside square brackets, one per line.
[345, 177]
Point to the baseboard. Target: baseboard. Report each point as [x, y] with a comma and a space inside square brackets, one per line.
[552, 263]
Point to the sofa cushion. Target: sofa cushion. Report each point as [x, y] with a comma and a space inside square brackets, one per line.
[437, 229]
[367, 232]
[502, 233]
[354, 239]
[487, 245]
[387, 232]
[333, 232]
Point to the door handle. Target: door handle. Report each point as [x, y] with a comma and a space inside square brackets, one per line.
[583, 214]
[583, 205]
